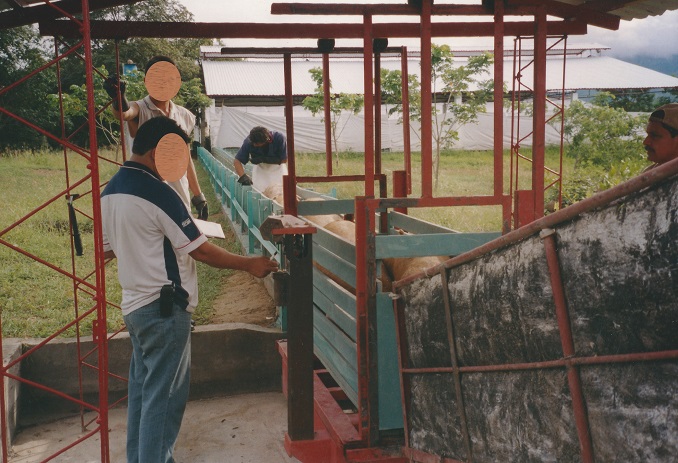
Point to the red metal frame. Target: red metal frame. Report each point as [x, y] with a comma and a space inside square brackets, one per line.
[95, 289]
[565, 328]
[529, 204]
[570, 361]
[328, 114]
[405, 92]
[366, 207]
[426, 102]
[114, 30]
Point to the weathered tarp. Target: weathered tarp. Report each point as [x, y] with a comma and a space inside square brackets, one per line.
[619, 266]
[229, 127]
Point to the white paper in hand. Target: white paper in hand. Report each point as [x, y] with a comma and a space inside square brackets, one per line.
[210, 229]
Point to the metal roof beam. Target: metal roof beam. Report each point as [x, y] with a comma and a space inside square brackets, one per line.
[375, 9]
[343, 9]
[300, 51]
[123, 30]
[594, 17]
[34, 14]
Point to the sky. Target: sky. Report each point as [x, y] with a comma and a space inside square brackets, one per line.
[652, 36]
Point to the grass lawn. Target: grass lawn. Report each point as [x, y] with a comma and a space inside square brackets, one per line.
[36, 300]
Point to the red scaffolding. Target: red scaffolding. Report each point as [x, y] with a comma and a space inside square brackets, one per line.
[89, 281]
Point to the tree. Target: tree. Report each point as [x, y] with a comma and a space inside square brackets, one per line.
[633, 100]
[463, 95]
[392, 94]
[606, 143]
[22, 50]
[340, 104]
[184, 52]
[600, 135]
[190, 96]
[670, 96]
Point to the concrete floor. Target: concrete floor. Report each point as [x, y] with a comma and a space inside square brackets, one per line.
[248, 428]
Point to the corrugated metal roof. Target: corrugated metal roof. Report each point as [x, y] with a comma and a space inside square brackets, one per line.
[211, 52]
[637, 9]
[265, 78]
[604, 72]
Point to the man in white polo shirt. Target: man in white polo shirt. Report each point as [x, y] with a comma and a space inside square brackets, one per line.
[162, 86]
[156, 242]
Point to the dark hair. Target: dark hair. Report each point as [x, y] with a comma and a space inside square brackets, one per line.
[658, 116]
[672, 131]
[260, 135]
[157, 59]
[151, 131]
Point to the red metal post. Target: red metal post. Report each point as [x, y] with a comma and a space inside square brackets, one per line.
[452, 343]
[499, 113]
[123, 143]
[290, 180]
[75, 283]
[426, 101]
[289, 114]
[361, 227]
[383, 188]
[562, 315]
[562, 128]
[498, 97]
[539, 115]
[400, 188]
[4, 431]
[298, 250]
[369, 105]
[99, 332]
[369, 261]
[407, 149]
[328, 113]
[377, 113]
[515, 123]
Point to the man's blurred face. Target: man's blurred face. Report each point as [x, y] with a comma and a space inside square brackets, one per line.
[660, 146]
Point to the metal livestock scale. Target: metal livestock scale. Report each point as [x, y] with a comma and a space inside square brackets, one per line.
[517, 358]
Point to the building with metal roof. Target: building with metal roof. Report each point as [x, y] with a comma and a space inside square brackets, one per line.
[251, 91]
[260, 81]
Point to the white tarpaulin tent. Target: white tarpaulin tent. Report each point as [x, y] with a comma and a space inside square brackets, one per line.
[230, 126]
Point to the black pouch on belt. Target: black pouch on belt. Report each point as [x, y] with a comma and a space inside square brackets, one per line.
[166, 300]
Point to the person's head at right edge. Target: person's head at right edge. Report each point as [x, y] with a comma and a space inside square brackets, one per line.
[661, 143]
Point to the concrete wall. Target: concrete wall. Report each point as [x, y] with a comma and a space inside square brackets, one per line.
[227, 359]
[618, 267]
[11, 350]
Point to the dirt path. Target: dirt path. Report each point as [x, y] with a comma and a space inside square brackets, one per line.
[244, 300]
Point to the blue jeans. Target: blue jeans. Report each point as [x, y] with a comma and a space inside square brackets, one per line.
[159, 377]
